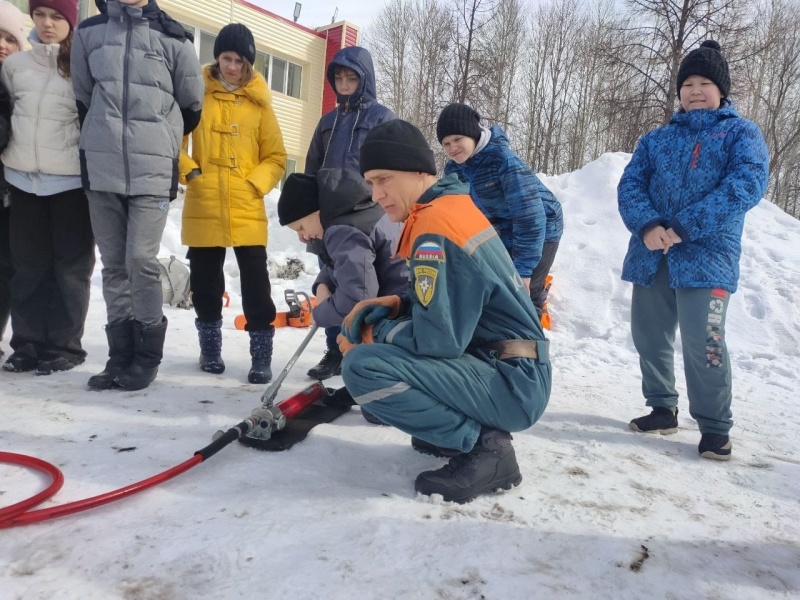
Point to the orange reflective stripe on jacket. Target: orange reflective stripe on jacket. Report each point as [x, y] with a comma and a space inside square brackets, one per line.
[455, 217]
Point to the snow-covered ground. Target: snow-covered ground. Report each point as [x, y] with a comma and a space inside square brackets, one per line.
[601, 512]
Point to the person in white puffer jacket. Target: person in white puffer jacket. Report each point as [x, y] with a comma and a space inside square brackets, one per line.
[52, 245]
[12, 39]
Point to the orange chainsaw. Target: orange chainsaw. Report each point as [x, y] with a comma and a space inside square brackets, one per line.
[299, 313]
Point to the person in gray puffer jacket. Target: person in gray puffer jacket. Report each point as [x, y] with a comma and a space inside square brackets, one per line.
[139, 90]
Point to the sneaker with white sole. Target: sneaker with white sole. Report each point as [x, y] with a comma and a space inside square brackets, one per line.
[715, 446]
[661, 420]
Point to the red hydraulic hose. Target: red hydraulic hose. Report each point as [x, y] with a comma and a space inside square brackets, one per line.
[20, 517]
[57, 480]
[20, 514]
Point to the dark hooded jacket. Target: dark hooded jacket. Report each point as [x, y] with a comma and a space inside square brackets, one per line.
[340, 132]
[357, 249]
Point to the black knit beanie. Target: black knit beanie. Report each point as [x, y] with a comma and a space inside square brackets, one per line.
[236, 38]
[706, 61]
[299, 198]
[396, 145]
[458, 119]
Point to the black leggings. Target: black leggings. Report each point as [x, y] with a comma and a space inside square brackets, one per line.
[208, 284]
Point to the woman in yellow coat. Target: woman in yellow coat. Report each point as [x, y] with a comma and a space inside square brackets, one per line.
[237, 157]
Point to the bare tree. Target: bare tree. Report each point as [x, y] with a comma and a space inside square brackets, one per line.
[571, 79]
[551, 78]
[470, 18]
[498, 62]
[432, 61]
[386, 37]
[656, 34]
[587, 136]
[772, 76]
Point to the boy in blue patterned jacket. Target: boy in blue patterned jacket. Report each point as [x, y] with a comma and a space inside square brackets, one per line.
[684, 196]
[526, 215]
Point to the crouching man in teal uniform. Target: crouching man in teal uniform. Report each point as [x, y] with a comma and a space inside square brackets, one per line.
[460, 360]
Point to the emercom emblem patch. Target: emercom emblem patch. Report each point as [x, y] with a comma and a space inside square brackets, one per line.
[425, 283]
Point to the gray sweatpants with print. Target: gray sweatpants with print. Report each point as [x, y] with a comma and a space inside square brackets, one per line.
[128, 230]
[656, 313]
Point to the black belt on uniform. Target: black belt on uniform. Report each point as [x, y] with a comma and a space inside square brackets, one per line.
[536, 349]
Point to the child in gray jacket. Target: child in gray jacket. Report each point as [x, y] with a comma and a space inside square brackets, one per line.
[139, 90]
[333, 212]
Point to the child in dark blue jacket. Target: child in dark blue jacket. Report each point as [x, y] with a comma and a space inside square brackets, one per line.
[336, 142]
[526, 215]
[683, 197]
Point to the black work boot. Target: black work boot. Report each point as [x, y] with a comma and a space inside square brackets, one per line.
[340, 398]
[148, 343]
[210, 336]
[261, 355]
[424, 447]
[371, 418]
[120, 355]
[660, 420]
[489, 466]
[329, 366]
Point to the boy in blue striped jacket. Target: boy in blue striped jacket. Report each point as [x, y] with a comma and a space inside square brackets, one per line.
[525, 214]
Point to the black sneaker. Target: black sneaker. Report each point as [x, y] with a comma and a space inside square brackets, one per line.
[329, 366]
[424, 447]
[715, 446]
[20, 363]
[491, 465]
[661, 420]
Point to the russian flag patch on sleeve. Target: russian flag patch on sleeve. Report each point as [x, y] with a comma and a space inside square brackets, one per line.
[430, 251]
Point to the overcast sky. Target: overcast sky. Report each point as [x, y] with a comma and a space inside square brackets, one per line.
[316, 13]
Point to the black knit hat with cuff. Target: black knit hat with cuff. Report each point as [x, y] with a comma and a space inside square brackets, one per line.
[396, 145]
[706, 61]
[299, 198]
[236, 38]
[458, 119]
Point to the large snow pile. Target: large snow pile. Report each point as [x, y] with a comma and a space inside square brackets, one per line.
[601, 512]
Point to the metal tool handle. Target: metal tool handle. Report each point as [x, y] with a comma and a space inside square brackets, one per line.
[268, 397]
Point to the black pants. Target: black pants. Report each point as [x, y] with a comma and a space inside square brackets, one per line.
[538, 293]
[52, 252]
[6, 270]
[208, 284]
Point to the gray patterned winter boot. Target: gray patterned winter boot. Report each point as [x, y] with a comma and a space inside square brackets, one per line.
[261, 355]
[210, 336]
